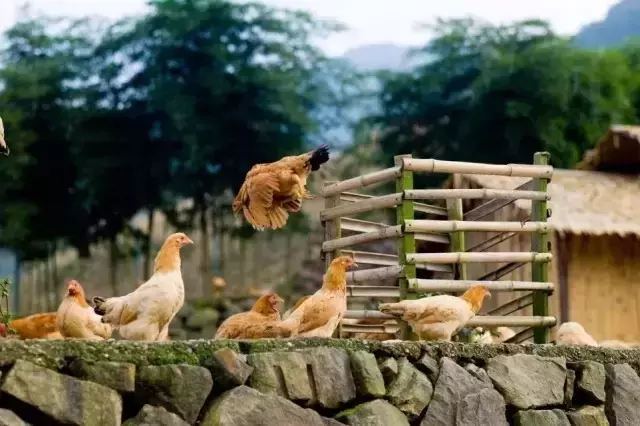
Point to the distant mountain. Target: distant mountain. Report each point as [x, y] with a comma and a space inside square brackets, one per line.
[372, 57]
[621, 23]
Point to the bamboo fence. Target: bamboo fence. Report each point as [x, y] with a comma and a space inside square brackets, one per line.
[445, 226]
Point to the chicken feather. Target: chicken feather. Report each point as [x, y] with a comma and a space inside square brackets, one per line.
[76, 319]
[4, 148]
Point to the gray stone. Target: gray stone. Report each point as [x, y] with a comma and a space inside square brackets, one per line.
[541, 418]
[367, 375]
[411, 391]
[590, 382]
[58, 395]
[243, 406]
[331, 422]
[389, 369]
[588, 416]
[228, 369]
[151, 415]
[428, 366]
[374, 413]
[9, 418]
[317, 376]
[181, 389]
[115, 375]
[622, 403]
[529, 381]
[483, 408]
[569, 386]
[453, 385]
[478, 373]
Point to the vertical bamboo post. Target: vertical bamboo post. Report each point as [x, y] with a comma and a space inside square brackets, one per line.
[407, 243]
[332, 231]
[539, 244]
[457, 240]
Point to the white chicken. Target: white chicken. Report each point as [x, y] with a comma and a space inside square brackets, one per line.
[145, 313]
[438, 317]
[572, 333]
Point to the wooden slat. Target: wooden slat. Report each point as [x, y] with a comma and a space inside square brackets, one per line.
[493, 205]
[353, 197]
[380, 234]
[475, 194]
[486, 257]
[513, 170]
[375, 203]
[368, 179]
[453, 286]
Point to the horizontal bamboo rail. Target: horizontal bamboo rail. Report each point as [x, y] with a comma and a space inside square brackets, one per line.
[514, 170]
[375, 203]
[477, 321]
[513, 306]
[379, 259]
[361, 181]
[353, 197]
[374, 274]
[474, 194]
[357, 225]
[381, 234]
[472, 226]
[373, 291]
[486, 257]
[366, 328]
[454, 286]
[494, 205]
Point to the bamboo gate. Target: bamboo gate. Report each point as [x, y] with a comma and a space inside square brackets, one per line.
[448, 231]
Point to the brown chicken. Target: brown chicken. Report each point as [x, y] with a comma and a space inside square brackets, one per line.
[36, 326]
[320, 314]
[4, 148]
[271, 191]
[145, 313]
[296, 306]
[438, 317]
[261, 322]
[76, 319]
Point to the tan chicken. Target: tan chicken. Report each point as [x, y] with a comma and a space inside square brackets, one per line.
[572, 333]
[438, 317]
[4, 148]
[145, 313]
[320, 314]
[271, 191]
[261, 322]
[296, 306]
[36, 326]
[493, 335]
[76, 319]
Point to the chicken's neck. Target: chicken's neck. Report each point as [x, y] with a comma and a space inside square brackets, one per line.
[167, 260]
[80, 300]
[335, 279]
[475, 302]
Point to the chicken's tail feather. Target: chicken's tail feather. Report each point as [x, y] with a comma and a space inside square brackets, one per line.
[99, 308]
[391, 309]
[319, 157]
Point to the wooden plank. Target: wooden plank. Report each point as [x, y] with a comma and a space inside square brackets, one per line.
[493, 205]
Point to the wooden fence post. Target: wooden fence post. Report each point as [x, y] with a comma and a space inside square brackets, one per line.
[539, 244]
[332, 230]
[407, 243]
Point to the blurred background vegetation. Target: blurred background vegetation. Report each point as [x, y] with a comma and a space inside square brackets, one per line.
[123, 132]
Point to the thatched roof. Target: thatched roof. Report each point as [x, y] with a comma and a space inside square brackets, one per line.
[583, 202]
[617, 151]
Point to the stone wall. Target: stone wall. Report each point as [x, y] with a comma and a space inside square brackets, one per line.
[315, 382]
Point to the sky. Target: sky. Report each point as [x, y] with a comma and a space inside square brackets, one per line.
[370, 22]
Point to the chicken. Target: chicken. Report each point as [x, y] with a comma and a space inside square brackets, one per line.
[76, 319]
[271, 191]
[374, 336]
[320, 314]
[572, 333]
[36, 326]
[262, 321]
[502, 334]
[492, 335]
[296, 306]
[145, 313]
[438, 317]
[4, 148]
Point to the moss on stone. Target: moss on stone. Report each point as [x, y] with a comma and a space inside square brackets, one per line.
[58, 353]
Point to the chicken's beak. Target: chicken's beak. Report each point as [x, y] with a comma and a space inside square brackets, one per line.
[354, 265]
[488, 295]
[188, 241]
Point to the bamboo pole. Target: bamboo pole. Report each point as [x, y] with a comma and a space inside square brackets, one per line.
[457, 240]
[514, 170]
[368, 179]
[356, 225]
[539, 243]
[477, 321]
[407, 244]
[373, 291]
[472, 226]
[353, 197]
[489, 257]
[381, 234]
[475, 194]
[429, 286]
[374, 274]
[369, 258]
[374, 328]
[332, 231]
[375, 203]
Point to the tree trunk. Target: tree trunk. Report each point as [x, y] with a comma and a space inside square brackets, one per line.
[113, 265]
[148, 256]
